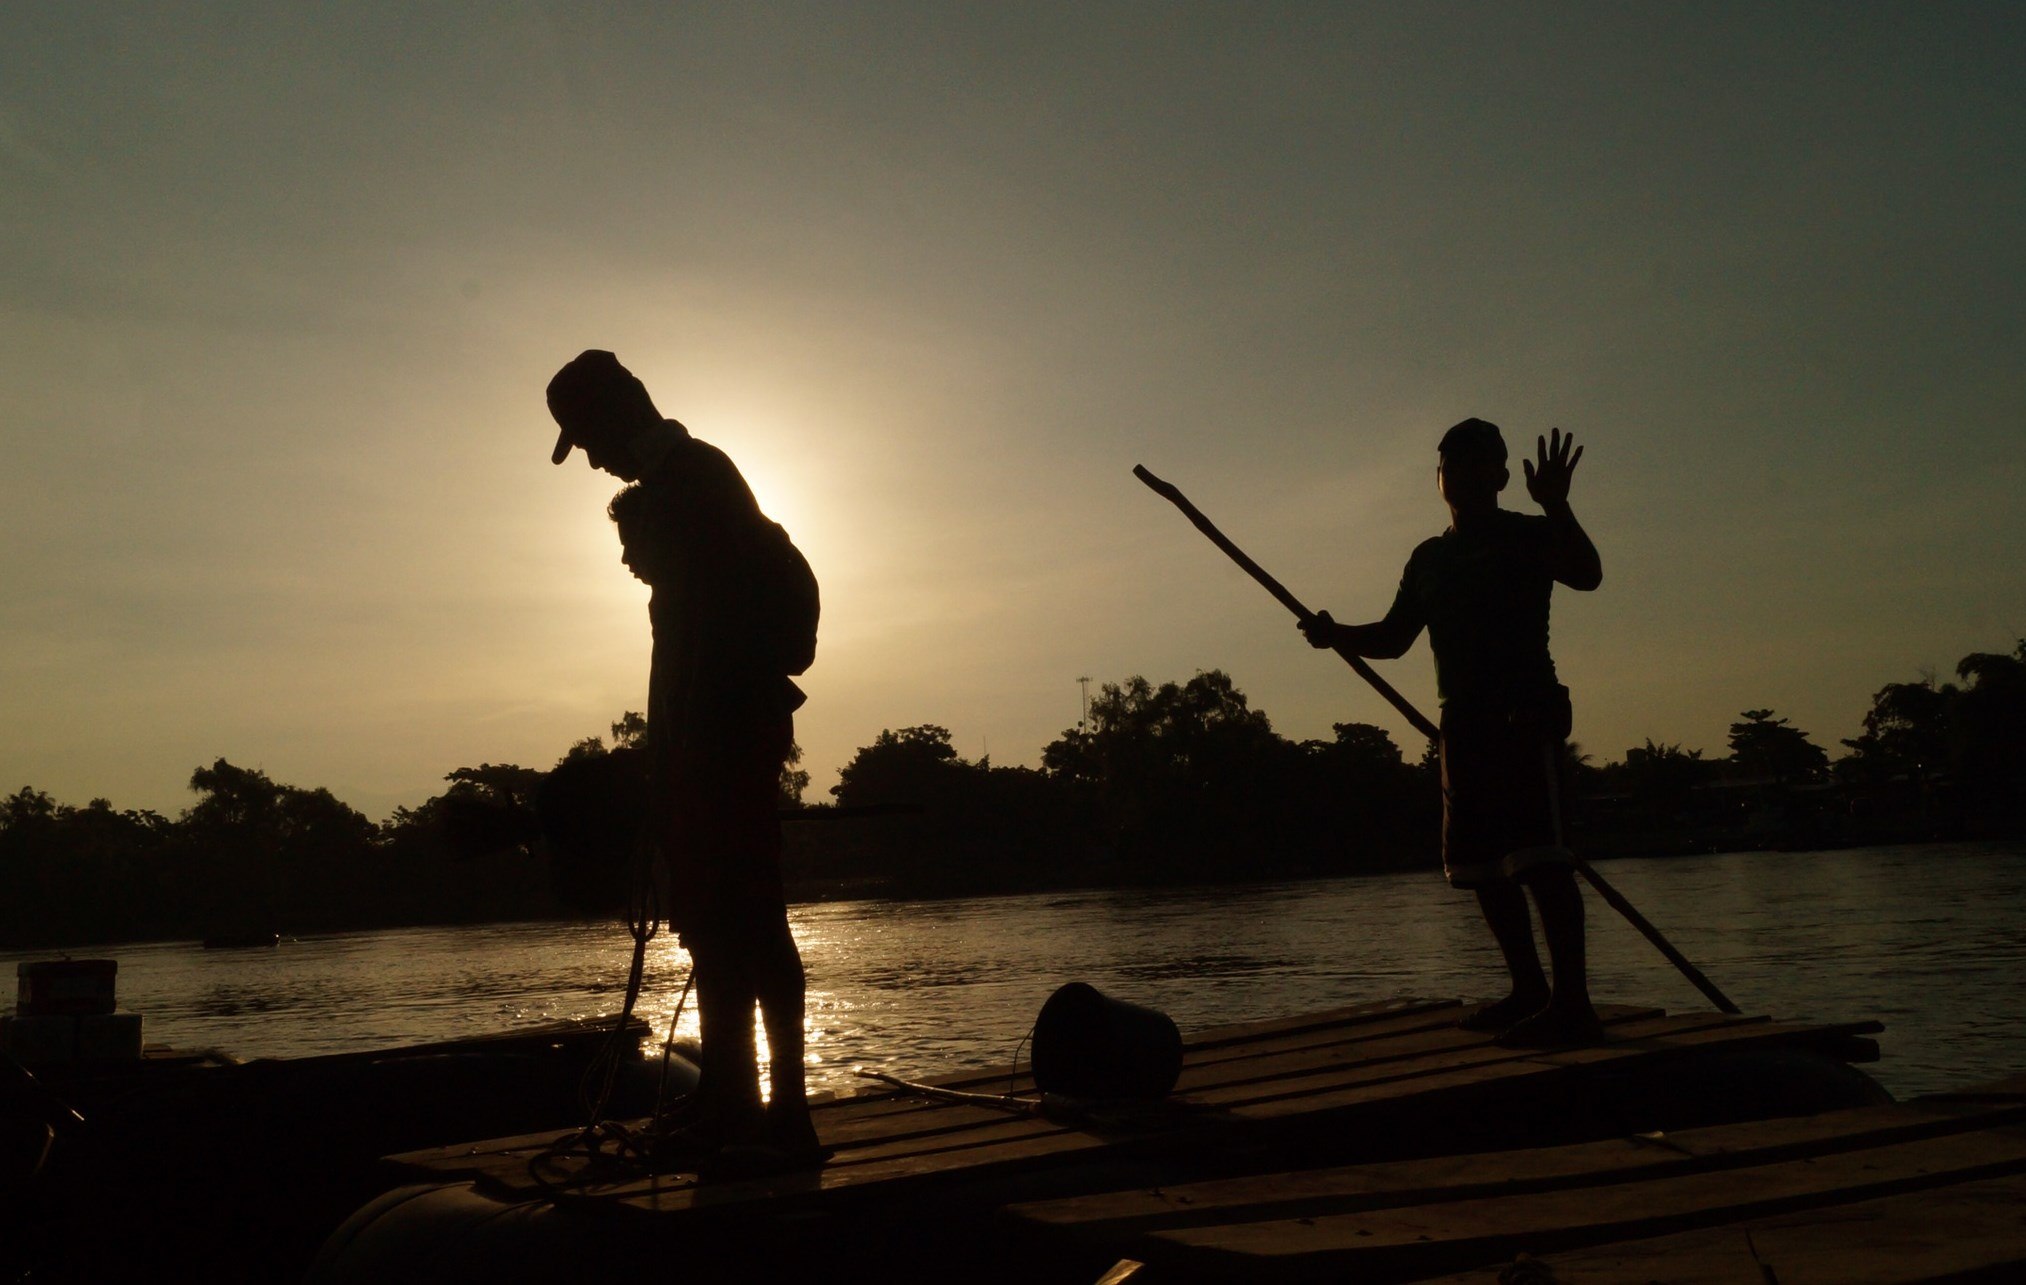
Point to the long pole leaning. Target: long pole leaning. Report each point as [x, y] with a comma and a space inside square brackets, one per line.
[1612, 897]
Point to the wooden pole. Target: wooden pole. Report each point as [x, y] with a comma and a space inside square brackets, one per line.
[997, 1101]
[1168, 492]
[1616, 900]
[1612, 897]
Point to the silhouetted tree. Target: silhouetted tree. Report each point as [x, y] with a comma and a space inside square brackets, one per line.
[1362, 743]
[1769, 747]
[1362, 762]
[504, 782]
[81, 874]
[1907, 730]
[630, 731]
[1358, 803]
[793, 779]
[1189, 777]
[26, 807]
[272, 853]
[912, 765]
[1662, 778]
[1989, 731]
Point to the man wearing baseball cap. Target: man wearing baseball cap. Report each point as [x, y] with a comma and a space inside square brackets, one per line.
[734, 614]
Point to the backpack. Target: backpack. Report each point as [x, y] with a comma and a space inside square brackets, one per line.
[786, 601]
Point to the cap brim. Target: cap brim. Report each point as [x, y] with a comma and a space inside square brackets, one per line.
[562, 451]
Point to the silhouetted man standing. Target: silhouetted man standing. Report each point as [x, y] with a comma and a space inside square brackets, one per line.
[1481, 589]
[734, 614]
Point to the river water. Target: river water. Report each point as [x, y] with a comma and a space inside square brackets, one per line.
[1930, 940]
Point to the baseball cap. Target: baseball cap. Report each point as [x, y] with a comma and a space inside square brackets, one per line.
[590, 386]
[1472, 434]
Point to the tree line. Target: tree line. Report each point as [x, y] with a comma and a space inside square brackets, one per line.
[1169, 783]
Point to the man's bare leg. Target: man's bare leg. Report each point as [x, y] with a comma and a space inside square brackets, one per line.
[728, 1083]
[782, 987]
[1568, 1017]
[785, 1136]
[1505, 910]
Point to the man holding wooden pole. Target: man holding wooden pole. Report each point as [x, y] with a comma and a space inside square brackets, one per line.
[1481, 590]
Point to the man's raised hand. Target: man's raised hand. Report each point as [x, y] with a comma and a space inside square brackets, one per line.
[1320, 630]
[1549, 471]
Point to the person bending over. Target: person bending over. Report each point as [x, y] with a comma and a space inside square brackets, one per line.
[734, 613]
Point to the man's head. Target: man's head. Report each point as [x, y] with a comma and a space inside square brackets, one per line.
[600, 406]
[643, 549]
[1470, 465]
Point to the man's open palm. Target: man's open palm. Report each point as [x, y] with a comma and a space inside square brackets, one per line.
[1549, 471]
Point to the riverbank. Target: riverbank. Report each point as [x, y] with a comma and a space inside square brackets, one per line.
[820, 870]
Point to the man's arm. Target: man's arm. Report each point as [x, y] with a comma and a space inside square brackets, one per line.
[1572, 559]
[1380, 640]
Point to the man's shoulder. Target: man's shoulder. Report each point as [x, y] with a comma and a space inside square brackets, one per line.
[1434, 548]
[696, 472]
[687, 458]
[1507, 529]
[1532, 532]
[1510, 526]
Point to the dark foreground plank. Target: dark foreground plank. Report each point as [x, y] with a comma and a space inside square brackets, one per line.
[1399, 1243]
[1350, 1188]
[1973, 1231]
[1411, 1220]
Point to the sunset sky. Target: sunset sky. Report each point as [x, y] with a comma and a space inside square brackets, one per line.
[280, 287]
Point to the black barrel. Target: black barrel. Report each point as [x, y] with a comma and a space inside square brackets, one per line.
[1089, 1045]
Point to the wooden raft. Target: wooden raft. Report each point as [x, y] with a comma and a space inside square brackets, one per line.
[1371, 1081]
[1932, 1188]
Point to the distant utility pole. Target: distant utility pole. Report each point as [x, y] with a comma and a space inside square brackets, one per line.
[1083, 685]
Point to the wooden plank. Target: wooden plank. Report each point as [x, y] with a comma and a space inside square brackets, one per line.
[1396, 1051]
[1349, 1188]
[1960, 1232]
[1346, 1019]
[1399, 1052]
[1394, 1242]
[1249, 1042]
[1722, 1033]
[1437, 1059]
[1367, 1022]
[1304, 1023]
[883, 1181]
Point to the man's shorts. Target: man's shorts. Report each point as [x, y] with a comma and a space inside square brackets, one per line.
[720, 835]
[1500, 771]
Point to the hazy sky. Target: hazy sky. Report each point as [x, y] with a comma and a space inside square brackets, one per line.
[280, 287]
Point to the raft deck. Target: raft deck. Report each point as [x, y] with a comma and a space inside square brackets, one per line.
[1370, 1084]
